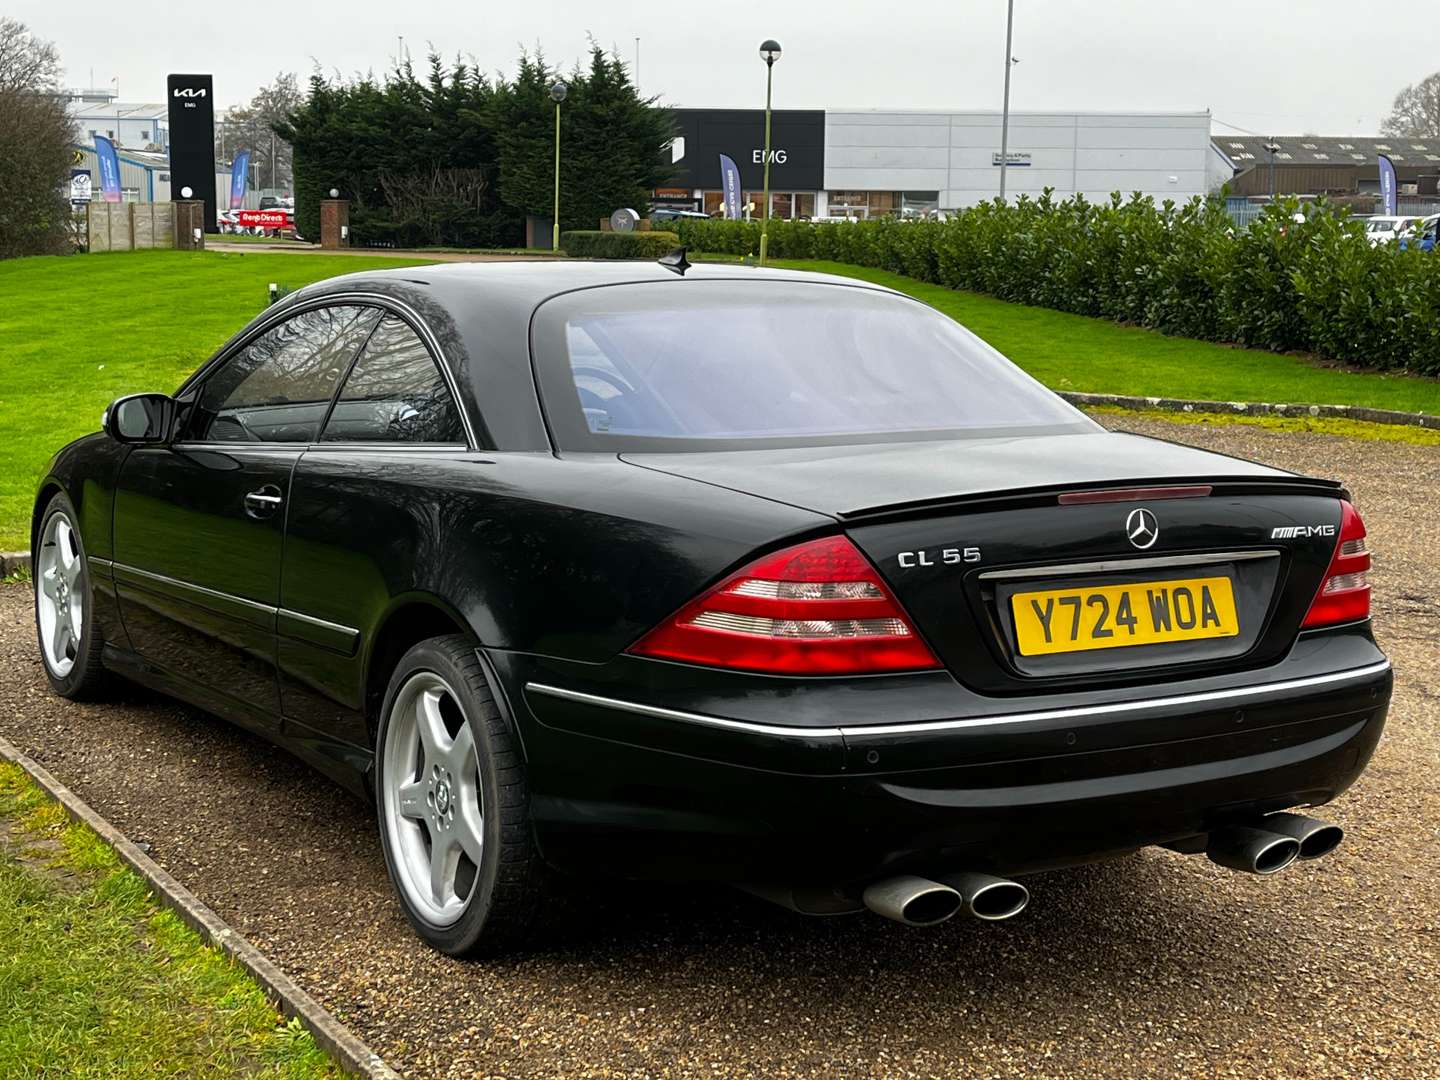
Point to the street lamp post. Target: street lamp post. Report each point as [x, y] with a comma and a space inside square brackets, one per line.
[1273, 148]
[557, 95]
[769, 52]
[1005, 108]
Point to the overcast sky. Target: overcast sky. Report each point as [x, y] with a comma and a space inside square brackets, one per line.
[1326, 67]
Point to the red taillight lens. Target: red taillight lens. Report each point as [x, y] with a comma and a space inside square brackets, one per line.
[1344, 595]
[815, 609]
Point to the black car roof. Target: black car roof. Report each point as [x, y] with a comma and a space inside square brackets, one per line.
[534, 281]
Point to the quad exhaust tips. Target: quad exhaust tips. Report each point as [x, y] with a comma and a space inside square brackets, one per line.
[918, 901]
[1272, 843]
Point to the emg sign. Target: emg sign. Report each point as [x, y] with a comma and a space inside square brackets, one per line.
[777, 157]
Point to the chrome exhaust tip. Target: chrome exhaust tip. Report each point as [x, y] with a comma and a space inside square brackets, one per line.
[989, 898]
[1317, 838]
[1252, 850]
[914, 901]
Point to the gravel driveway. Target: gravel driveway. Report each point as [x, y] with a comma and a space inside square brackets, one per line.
[1153, 965]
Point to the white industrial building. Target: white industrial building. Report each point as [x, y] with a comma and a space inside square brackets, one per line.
[878, 162]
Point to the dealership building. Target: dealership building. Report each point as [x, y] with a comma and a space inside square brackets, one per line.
[865, 163]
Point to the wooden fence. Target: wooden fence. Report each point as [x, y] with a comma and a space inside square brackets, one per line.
[130, 226]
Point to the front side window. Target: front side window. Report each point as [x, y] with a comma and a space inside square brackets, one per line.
[395, 393]
[725, 364]
[278, 388]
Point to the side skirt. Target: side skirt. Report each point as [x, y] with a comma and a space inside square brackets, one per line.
[347, 765]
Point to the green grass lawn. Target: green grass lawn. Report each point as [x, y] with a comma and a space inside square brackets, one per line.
[98, 982]
[1072, 352]
[77, 332]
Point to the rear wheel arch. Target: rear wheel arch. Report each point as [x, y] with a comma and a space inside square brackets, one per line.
[410, 620]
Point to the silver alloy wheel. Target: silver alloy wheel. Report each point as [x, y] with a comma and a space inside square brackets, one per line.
[59, 595]
[430, 792]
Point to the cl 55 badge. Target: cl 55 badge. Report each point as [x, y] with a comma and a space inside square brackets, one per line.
[943, 557]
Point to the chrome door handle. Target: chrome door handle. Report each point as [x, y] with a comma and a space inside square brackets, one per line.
[263, 503]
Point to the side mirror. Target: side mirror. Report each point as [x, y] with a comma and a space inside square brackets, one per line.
[142, 419]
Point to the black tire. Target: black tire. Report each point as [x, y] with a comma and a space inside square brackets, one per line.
[509, 887]
[87, 679]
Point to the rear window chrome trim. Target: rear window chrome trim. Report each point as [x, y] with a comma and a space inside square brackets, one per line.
[1112, 565]
[803, 734]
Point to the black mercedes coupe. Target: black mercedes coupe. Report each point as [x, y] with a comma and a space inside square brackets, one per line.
[712, 573]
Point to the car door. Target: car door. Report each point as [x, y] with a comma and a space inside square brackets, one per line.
[199, 523]
[355, 523]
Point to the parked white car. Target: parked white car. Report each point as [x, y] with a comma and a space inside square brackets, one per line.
[1383, 228]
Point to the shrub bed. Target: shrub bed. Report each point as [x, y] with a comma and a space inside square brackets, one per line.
[1313, 286]
[600, 244]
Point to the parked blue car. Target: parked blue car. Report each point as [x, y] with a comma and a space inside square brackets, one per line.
[1424, 235]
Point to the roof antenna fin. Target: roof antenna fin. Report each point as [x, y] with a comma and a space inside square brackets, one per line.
[676, 261]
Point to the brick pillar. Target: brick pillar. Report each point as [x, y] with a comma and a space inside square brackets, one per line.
[189, 223]
[334, 223]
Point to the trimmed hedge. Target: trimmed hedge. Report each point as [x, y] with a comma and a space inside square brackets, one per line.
[1313, 286]
[602, 244]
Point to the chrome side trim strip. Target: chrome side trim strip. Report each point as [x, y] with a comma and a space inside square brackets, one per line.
[323, 624]
[185, 586]
[979, 722]
[1110, 565]
[106, 565]
[780, 731]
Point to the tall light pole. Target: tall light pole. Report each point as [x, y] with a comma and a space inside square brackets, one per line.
[1005, 110]
[769, 52]
[557, 95]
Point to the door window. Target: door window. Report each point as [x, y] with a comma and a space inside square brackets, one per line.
[395, 393]
[278, 387]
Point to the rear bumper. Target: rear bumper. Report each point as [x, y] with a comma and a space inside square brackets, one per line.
[622, 787]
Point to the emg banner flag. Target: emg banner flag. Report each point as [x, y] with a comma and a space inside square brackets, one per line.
[109, 164]
[730, 185]
[1389, 192]
[239, 168]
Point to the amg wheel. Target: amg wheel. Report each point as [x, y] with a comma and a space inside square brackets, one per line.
[453, 804]
[70, 642]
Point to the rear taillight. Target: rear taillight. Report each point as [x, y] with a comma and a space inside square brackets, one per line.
[1344, 595]
[815, 609]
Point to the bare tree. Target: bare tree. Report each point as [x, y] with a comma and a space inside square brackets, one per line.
[27, 64]
[1416, 112]
[35, 145]
[252, 127]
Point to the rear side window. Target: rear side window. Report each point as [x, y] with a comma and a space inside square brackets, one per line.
[738, 364]
[395, 393]
[277, 388]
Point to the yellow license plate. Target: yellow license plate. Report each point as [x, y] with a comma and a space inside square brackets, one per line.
[1111, 616]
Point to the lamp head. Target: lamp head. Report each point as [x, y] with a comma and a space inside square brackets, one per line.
[769, 51]
[558, 92]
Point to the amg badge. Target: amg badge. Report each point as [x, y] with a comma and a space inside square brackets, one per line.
[1289, 532]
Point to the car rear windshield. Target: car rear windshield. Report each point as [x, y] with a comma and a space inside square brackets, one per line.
[719, 363]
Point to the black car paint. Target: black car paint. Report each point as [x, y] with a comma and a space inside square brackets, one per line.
[556, 563]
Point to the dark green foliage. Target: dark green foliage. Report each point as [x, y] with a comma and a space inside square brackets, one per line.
[452, 158]
[1311, 286]
[598, 244]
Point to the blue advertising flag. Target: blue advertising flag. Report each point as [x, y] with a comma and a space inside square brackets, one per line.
[1389, 191]
[109, 164]
[730, 184]
[239, 168]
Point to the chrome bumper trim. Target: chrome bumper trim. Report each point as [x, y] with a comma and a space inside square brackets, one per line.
[1077, 712]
